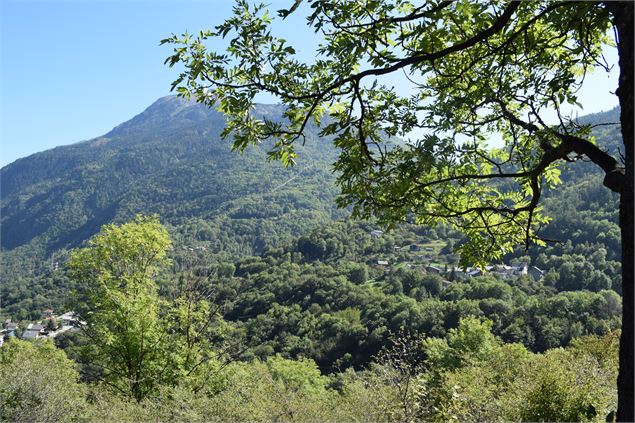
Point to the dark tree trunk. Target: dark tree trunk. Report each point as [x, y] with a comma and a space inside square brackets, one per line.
[622, 13]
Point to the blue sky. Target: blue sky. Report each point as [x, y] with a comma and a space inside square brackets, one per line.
[73, 70]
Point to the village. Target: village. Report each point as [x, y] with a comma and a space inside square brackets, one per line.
[427, 259]
[49, 327]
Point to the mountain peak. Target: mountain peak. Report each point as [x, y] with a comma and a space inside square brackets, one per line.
[178, 112]
[164, 112]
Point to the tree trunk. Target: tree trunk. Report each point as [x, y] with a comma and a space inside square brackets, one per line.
[623, 20]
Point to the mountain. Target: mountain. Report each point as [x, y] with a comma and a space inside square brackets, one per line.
[167, 160]
[218, 205]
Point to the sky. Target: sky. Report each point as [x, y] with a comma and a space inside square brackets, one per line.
[72, 70]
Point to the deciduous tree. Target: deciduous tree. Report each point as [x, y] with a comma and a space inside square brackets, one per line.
[475, 68]
[117, 299]
[38, 383]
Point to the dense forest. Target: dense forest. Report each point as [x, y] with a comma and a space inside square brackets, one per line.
[167, 160]
[303, 313]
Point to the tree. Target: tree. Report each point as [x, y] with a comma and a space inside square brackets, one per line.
[51, 325]
[196, 347]
[38, 383]
[117, 299]
[471, 341]
[510, 383]
[358, 273]
[475, 68]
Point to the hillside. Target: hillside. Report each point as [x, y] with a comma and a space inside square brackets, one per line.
[221, 208]
[170, 160]
[167, 160]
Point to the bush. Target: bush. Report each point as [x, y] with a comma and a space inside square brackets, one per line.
[38, 383]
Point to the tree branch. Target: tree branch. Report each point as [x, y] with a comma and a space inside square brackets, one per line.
[614, 173]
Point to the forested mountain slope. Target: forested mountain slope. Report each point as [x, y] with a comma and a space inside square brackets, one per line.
[167, 160]
[221, 208]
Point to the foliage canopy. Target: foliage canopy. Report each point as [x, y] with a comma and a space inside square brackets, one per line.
[117, 298]
[474, 68]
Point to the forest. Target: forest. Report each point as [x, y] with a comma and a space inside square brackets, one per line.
[322, 265]
[303, 322]
[294, 336]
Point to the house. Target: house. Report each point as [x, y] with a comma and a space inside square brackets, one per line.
[535, 273]
[376, 234]
[382, 262]
[503, 270]
[474, 272]
[33, 331]
[48, 313]
[520, 269]
[35, 327]
[68, 319]
[433, 269]
[30, 334]
[10, 328]
[458, 273]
